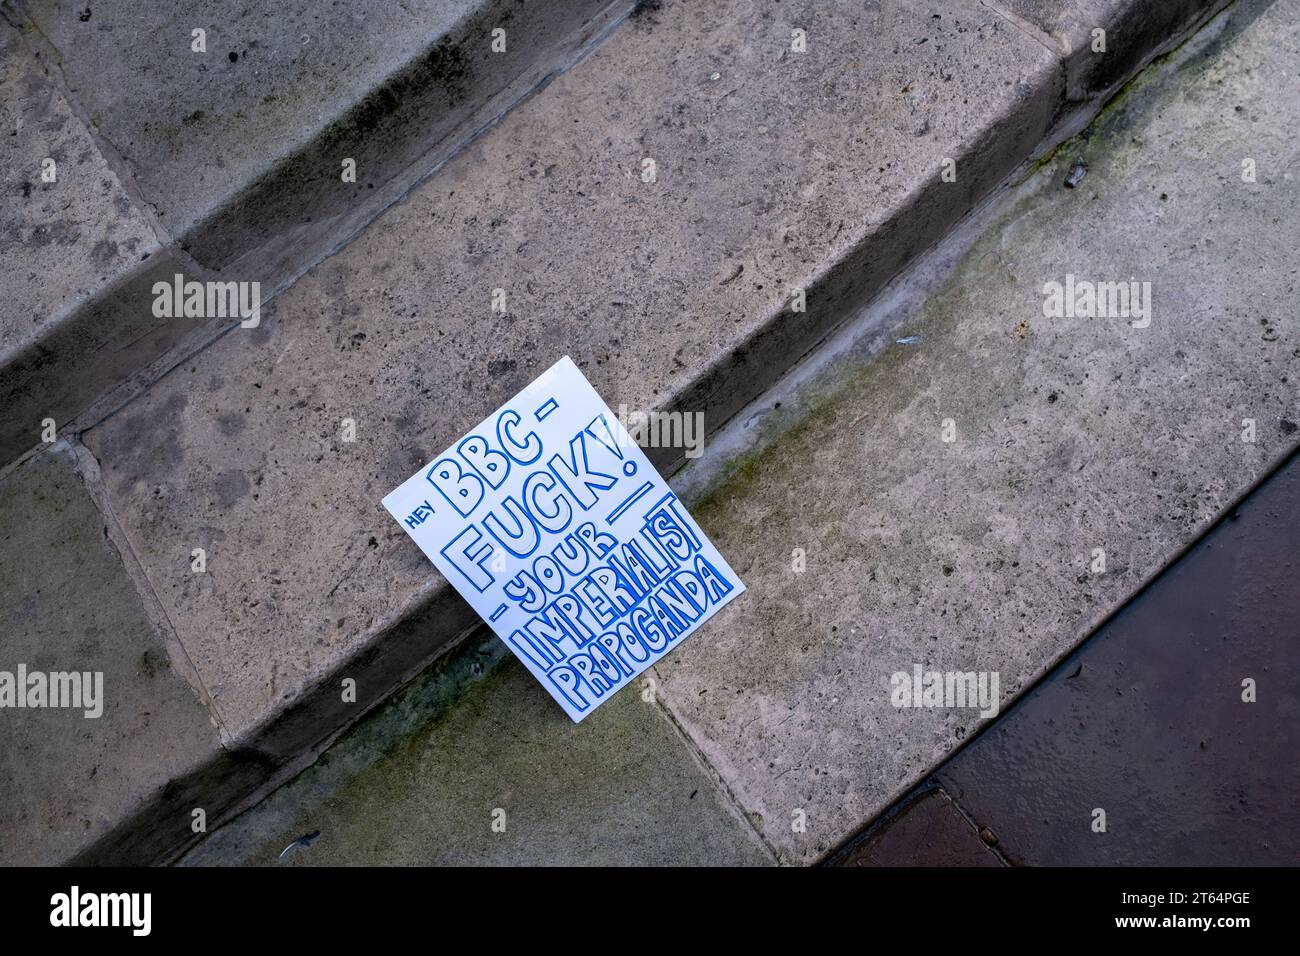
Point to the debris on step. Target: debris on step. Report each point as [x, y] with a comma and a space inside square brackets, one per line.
[306, 840]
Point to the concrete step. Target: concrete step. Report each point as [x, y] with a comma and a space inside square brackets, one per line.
[870, 544]
[221, 164]
[470, 763]
[776, 170]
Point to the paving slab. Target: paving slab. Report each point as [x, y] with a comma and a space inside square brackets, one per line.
[1152, 721]
[68, 775]
[774, 168]
[498, 776]
[979, 554]
[928, 831]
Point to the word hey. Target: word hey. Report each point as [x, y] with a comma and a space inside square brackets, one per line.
[1084, 299]
[103, 909]
[923, 688]
[73, 689]
[208, 300]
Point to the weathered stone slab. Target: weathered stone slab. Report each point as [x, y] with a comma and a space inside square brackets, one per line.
[69, 235]
[69, 774]
[501, 777]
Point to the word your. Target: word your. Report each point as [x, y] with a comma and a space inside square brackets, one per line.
[103, 909]
[1098, 300]
[208, 300]
[665, 429]
[924, 688]
[73, 689]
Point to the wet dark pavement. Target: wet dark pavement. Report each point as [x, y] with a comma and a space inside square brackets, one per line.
[927, 829]
[1150, 721]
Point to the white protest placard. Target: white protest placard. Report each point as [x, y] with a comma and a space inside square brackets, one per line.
[555, 527]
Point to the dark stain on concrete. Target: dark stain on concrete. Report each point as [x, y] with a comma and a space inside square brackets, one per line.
[153, 662]
[231, 423]
[148, 441]
[105, 252]
[230, 487]
[645, 11]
